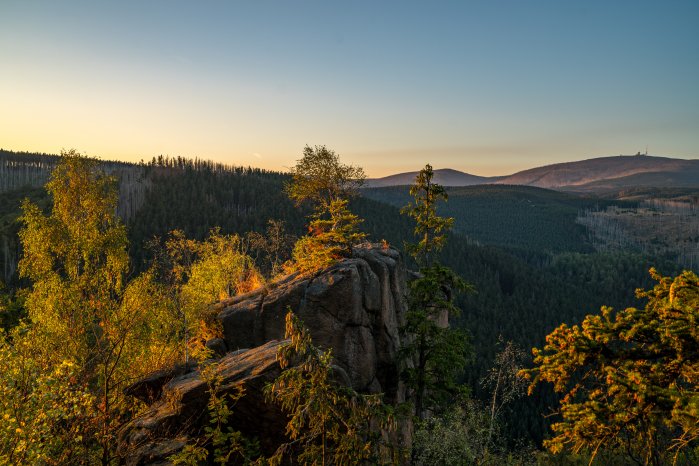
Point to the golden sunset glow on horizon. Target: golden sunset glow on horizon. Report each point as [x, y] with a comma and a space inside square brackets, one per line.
[389, 96]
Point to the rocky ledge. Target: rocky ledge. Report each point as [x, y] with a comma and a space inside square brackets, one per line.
[355, 308]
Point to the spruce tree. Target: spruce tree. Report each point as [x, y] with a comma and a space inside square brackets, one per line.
[438, 353]
[630, 378]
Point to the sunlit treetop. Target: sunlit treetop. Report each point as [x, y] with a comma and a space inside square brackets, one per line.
[320, 178]
[430, 228]
[631, 377]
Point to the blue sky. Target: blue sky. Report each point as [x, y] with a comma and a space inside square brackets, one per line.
[488, 87]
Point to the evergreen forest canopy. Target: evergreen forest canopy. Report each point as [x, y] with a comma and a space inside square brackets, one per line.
[193, 232]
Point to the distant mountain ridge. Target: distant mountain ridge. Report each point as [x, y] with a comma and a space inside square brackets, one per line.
[601, 173]
[443, 176]
[588, 172]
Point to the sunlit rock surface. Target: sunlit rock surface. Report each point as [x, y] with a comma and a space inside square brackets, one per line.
[354, 308]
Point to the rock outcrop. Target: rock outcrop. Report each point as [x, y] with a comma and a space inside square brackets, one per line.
[355, 308]
[180, 411]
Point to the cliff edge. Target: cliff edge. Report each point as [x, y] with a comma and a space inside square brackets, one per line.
[355, 308]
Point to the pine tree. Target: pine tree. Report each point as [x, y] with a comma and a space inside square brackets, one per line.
[630, 378]
[430, 228]
[437, 352]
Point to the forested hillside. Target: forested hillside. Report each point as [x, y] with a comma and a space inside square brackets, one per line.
[666, 228]
[521, 219]
[195, 196]
[21, 170]
[9, 227]
[154, 198]
[522, 301]
[532, 266]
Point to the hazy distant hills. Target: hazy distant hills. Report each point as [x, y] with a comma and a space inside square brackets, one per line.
[687, 178]
[598, 174]
[619, 171]
[444, 176]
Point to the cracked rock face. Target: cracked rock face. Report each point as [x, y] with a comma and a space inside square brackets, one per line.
[180, 411]
[354, 308]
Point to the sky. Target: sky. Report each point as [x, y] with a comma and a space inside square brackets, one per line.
[486, 87]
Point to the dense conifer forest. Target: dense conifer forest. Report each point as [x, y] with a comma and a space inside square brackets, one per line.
[531, 264]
